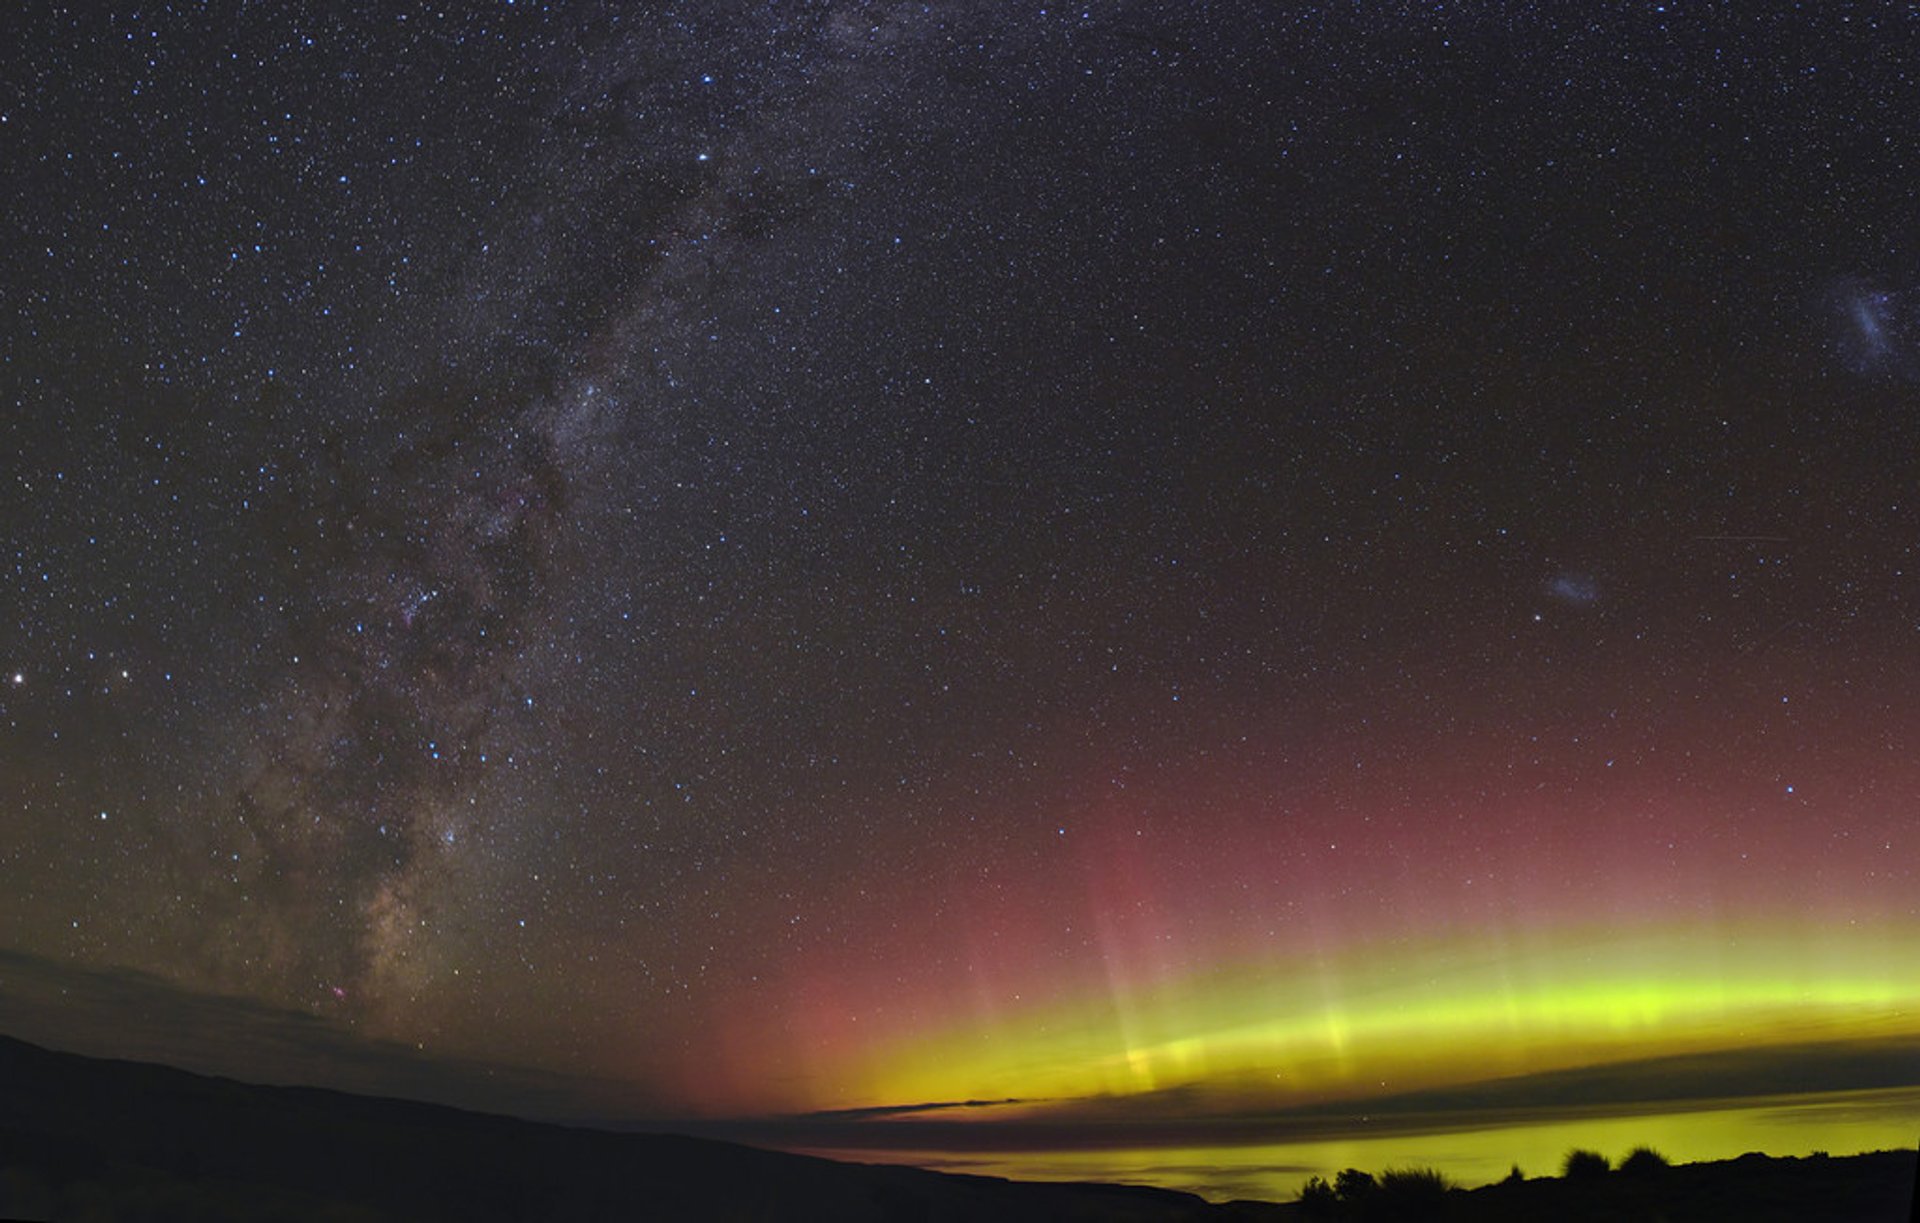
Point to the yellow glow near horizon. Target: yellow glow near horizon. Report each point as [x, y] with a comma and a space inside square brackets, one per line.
[1839, 1122]
[1390, 1020]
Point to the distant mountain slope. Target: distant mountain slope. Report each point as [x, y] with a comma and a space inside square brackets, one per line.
[81, 1137]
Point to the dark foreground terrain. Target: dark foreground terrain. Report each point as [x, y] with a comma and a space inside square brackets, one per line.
[82, 1139]
[1876, 1188]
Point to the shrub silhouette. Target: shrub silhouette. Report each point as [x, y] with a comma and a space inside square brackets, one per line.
[1642, 1160]
[1352, 1184]
[1415, 1186]
[1584, 1165]
[1515, 1177]
[1317, 1199]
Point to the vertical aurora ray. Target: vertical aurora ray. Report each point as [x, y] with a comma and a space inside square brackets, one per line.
[1420, 928]
[1335, 939]
[1386, 1019]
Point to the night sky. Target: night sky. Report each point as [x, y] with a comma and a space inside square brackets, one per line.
[776, 557]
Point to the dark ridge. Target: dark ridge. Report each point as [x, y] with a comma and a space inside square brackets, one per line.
[89, 1138]
[86, 1138]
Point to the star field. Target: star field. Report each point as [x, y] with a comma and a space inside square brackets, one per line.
[772, 555]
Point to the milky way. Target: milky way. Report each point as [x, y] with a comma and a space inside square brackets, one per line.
[820, 556]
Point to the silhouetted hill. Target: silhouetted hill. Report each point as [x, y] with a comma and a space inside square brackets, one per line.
[82, 1138]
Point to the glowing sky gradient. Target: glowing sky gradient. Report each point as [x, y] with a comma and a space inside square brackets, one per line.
[1394, 919]
[1147, 560]
[1244, 1039]
[1272, 968]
